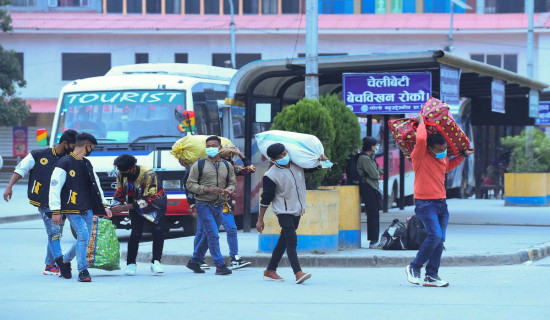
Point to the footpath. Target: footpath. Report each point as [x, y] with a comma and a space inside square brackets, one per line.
[480, 232]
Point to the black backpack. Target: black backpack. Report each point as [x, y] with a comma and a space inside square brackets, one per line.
[415, 233]
[352, 174]
[395, 237]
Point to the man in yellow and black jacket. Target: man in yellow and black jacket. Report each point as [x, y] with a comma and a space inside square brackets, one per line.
[76, 192]
[39, 164]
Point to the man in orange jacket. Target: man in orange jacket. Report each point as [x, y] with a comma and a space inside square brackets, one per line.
[430, 164]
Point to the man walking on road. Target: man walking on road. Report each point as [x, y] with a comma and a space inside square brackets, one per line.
[40, 164]
[211, 189]
[284, 187]
[430, 163]
[76, 192]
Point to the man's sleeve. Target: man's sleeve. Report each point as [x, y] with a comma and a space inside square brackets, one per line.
[150, 193]
[25, 165]
[232, 180]
[268, 193]
[192, 184]
[59, 176]
[119, 196]
[367, 166]
[454, 162]
[421, 144]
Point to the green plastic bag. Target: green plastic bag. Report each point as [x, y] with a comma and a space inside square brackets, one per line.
[103, 251]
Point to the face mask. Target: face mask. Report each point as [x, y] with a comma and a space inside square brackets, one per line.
[212, 151]
[441, 155]
[284, 161]
[88, 152]
[377, 148]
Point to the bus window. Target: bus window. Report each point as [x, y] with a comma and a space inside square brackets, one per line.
[237, 113]
[205, 104]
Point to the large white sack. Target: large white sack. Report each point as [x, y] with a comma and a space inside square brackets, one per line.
[304, 149]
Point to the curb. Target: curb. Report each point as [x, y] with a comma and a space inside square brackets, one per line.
[27, 217]
[308, 260]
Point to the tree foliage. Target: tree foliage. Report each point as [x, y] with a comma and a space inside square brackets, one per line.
[347, 137]
[532, 156]
[12, 109]
[309, 116]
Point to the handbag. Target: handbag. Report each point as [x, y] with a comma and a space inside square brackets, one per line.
[155, 210]
[103, 249]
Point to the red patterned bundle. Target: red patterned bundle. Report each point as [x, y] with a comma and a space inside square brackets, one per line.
[404, 133]
[438, 118]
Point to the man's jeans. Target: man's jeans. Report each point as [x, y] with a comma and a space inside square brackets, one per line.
[54, 235]
[82, 224]
[230, 231]
[435, 216]
[209, 219]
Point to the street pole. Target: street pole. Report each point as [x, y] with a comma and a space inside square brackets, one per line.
[530, 10]
[232, 31]
[312, 47]
[451, 28]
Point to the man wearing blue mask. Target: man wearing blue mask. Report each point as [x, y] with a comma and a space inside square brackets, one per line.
[211, 186]
[430, 164]
[284, 187]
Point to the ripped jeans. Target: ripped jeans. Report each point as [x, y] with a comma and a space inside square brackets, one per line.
[54, 236]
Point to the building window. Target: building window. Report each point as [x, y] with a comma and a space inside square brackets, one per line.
[269, 6]
[180, 57]
[153, 6]
[173, 6]
[84, 65]
[291, 6]
[506, 61]
[250, 6]
[227, 7]
[134, 6]
[224, 59]
[21, 58]
[72, 3]
[211, 6]
[114, 6]
[23, 3]
[336, 6]
[192, 6]
[142, 58]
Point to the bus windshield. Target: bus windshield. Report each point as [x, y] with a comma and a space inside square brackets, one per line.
[123, 116]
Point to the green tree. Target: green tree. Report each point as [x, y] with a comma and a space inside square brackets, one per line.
[12, 109]
[308, 116]
[528, 157]
[347, 137]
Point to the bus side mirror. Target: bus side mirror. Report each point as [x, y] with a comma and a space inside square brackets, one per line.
[42, 137]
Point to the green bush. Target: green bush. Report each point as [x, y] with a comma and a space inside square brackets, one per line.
[347, 137]
[528, 157]
[308, 116]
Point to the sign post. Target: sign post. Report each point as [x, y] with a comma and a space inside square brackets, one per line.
[20, 141]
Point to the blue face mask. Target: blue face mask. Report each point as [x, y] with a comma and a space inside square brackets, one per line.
[284, 161]
[212, 151]
[441, 155]
[377, 148]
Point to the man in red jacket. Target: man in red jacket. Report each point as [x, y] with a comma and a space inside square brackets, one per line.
[430, 163]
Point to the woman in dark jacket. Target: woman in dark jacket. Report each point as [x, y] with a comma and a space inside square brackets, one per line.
[370, 173]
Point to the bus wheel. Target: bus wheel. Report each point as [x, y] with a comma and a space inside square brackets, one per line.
[189, 223]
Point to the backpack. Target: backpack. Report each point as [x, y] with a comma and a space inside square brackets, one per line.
[395, 237]
[352, 174]
[415, 232]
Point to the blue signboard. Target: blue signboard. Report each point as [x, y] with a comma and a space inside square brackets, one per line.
[544, 114]
[449, 85]
[386, 93]
[497, 96]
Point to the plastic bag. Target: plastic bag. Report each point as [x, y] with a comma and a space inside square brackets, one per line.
[304, 149]
[103, 250]
[404, 133]
[192, 148]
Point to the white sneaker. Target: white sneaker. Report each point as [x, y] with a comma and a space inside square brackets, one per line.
[205, 266]
[131, 269]
[156, 268]
[434, 281]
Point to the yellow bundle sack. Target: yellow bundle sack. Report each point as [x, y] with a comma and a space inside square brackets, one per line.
[192, 148]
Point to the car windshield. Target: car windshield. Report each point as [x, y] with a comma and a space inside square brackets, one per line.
[123, 116]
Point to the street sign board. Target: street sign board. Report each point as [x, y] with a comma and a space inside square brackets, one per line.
[449, 85]
[544, 114]
[533, 103]
[497, 96]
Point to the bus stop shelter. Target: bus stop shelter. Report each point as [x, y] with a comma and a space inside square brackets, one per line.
[280, 82]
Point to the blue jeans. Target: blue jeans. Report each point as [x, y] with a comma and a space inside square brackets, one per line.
[209, 219]
[54, 235]
[82, 224]
[230, 231]
[435, 216]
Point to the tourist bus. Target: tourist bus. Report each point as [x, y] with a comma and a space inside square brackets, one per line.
[136, 109]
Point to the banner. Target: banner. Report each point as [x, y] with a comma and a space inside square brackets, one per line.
[386, 93]
[20, 141]
[449, 85]
[497, 96]
[544, 114]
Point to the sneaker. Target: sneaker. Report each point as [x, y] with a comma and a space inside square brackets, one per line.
[272, 275]
[156, 268]
[412, 275]
[223, 270]
[64, 268]
[434, 281]
[205, 266]
[301, 277]
[84, 276]
[131, 269]
[195, 267]
[376, 245]
[51, 270]
[237, 262]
